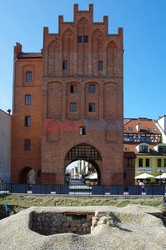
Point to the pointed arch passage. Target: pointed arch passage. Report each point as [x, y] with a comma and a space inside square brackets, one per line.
[88, 153]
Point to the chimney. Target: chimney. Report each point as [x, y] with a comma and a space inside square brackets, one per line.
[9, 111]
[17, 50]
[138, 127]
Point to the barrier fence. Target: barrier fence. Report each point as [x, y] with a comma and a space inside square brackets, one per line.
[81, 190]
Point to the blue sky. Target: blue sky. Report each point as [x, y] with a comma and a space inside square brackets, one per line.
[144, 23]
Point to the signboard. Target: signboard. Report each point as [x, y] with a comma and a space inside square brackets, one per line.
[144, 170]
[163, 170]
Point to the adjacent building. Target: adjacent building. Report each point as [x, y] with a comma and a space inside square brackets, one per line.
[144, 137]
[5, 146]
[161, 124]
[83, 167]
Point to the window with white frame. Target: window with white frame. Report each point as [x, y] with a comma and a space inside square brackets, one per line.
[162, 149]
[143, 148]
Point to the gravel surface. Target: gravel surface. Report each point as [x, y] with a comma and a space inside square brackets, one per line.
[130, 227]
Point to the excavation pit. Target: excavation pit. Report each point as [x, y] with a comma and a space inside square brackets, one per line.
[57, 223]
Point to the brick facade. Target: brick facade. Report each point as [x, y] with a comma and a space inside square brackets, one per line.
[82, 53]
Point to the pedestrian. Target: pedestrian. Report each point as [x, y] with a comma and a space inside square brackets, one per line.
[142, 185]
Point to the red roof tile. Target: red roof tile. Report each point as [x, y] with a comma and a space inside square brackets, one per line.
[132, 148]
[147, 127]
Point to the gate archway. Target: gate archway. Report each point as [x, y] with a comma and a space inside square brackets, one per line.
[86, 153]
[28, 176]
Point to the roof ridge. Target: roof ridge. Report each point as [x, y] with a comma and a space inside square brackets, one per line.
[127, 123]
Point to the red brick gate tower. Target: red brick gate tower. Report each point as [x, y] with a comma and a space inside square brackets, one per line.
[83, 94]
[68, 103]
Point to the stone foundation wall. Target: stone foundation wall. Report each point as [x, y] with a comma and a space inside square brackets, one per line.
[56, 223]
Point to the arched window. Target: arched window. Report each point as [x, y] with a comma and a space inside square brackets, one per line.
[143, 148]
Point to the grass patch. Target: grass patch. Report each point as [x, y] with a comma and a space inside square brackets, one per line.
[26, 201]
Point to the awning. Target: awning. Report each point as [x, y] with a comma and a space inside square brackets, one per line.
[144, 176]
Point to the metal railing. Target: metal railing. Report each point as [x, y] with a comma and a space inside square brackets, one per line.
[113, 190]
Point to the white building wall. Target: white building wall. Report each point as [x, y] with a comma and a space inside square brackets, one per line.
[5, 146]
[161, 124]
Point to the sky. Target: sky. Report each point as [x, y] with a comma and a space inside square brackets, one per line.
[144, 24]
